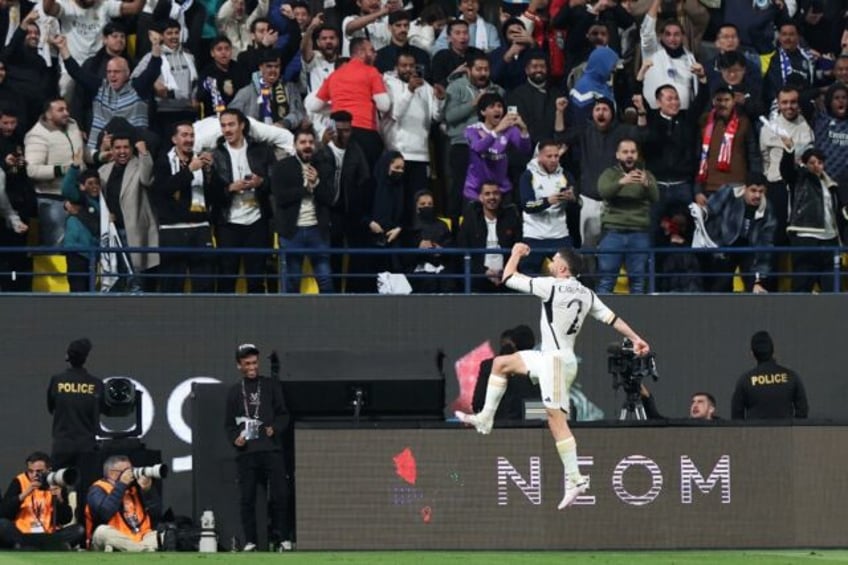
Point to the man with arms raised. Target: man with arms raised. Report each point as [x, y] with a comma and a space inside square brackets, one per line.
[565, 305]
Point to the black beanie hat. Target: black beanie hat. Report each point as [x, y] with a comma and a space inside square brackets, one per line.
[78, 351]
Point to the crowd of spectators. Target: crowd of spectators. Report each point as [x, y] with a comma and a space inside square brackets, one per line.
[329, 125]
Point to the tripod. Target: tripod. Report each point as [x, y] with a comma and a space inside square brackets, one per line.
[632, 408]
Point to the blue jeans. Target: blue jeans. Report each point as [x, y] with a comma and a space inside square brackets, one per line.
[623, 247]
[307, 238]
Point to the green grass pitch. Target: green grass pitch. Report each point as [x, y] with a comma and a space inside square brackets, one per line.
[694, 557]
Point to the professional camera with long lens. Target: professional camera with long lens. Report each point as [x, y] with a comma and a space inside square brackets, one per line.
[628, 369]
[159, 471]
[61, 478]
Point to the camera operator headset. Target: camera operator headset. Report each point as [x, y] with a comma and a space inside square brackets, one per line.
[35, 508]
[123, 507]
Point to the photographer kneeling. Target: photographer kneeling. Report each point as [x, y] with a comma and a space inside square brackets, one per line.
[35, 508]
[122, 508]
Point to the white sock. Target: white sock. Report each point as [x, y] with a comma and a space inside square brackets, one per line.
[567, 449]
[494, 392]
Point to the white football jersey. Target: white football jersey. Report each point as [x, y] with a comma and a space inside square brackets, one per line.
[565, 305]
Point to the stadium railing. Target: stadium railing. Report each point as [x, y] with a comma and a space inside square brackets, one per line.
[459, 260]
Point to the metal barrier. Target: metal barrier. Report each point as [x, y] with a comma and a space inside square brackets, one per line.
[461, 259]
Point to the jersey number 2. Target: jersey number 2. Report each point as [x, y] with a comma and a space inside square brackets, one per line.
[575, 325]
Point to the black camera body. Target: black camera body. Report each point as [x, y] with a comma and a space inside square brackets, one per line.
[628, 369]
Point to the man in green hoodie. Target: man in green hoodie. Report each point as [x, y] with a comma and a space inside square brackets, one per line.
[628, 192]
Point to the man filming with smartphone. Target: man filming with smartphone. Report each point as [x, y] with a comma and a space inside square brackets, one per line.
[546, 190]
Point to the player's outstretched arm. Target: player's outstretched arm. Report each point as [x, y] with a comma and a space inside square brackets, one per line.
[519, 251]
[640, 346]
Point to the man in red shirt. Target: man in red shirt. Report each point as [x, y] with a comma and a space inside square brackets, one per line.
[358, 88]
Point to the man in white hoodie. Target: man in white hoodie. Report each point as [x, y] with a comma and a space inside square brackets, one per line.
[175, 87]
[787, 123]
[545, 189]
[415, 106]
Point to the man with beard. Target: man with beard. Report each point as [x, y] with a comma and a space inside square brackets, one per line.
[182, 205]
[628, 192]
[729, 147]
[268, 98]
[491, 224]
[28, 72]
[790, 61]
[50, 148]
[509, 61]
[357, 87]
[415, 106]
[319, 51]
[126, 182]
[351, 210]
[545, 191]
[789, 123]
[593, 149]
[240, 186]
[461, 100]
[597, 36]
[221, 79]
[830, 129]
[534, 100]
[386, 57]
[303, 196]
[672, 62]
[18, 206]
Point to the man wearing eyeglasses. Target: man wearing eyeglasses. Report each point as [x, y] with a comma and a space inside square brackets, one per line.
[256, 418]
[122, 510]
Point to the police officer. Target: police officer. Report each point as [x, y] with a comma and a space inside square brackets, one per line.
[74, 397]
[33, 512]
[769, 390]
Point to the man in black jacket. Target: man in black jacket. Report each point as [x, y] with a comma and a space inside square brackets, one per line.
[350, 214]
[240, 182]
[182, 204]
[256, 418]
[484, 219]
[304, 192]
[769, 390]
[33, 512]
[22, 204]
[74, 397]
[669, 136]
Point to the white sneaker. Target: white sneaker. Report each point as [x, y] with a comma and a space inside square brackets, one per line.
[108, 548]
[572, 491]
[285, 545]
[249, 546]
[481, 424]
